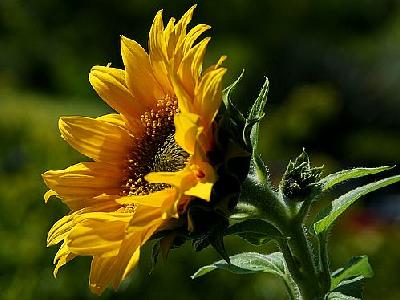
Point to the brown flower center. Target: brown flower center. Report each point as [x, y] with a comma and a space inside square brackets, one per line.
[155, 151]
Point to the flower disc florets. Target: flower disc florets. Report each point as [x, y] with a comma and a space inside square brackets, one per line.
[155, 151]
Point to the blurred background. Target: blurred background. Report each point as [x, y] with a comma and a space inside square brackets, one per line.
[334, 70]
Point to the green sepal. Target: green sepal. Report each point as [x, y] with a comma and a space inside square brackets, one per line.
[254, 231]
[252, 126]
[326, 218]
[231, 109]
[231, 121]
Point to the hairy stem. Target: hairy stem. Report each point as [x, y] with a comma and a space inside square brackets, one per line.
[301, 263]
[324, 260]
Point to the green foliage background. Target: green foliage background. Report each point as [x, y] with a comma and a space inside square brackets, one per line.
[334, 69]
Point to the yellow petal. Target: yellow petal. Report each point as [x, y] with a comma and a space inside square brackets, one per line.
[96, 139]
[130, 250]
[208, 95]
[48, 195]
[190, 67]
[169, 38]
[201, 190]
[193, 35]
[100, 273]
[155, 199]
[217, 65]
[128, 269]
[163, 200]
[107, 270]
[182, 180]
[115, 119]
[178, 38]
[97, 237]
[139, 74]
[62, 256]
[185, 101]
[109, 84]
[112, 270]
[144, 217]
[78, 185]
[157, 53]
[60, 230]
[186, 130]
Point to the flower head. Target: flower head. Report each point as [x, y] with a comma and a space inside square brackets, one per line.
[150, 159]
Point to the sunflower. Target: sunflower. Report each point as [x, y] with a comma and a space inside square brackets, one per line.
[149, 159]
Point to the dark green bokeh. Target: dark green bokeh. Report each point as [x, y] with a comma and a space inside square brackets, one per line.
[334, 68]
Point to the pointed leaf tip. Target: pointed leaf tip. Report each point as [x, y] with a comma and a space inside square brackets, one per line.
[339, 205]
[251, 129]
[333, 179]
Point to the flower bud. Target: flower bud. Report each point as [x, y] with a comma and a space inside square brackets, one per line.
[299, 179]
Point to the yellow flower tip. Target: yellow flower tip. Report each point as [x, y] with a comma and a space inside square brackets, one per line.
[158, 15]
[221, 60]
[49, 193]
[127, 43]
[97, 71]
[61, 123]
[96, 289]
[124, 39]
[64, 123]
[191, 10]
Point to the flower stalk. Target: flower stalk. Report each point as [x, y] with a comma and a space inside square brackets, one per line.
[302, 260]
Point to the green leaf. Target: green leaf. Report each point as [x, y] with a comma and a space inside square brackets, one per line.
[251, 129]
[351, 287]
[247, 263]
[340, 296]
[226, 93]
[254, 231]
[339, 205]
[233, 112]
[331, 180]
[357, 266]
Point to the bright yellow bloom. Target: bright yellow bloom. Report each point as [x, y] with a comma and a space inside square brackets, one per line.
[149, 159]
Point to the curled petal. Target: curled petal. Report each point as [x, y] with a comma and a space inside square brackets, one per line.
[102, 141]
[82, 185]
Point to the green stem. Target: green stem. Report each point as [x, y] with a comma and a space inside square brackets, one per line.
[291, 285]
[291, 289]
[303, 261]
[324, 260]
[301, 265]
